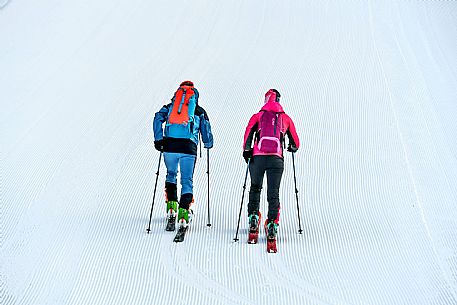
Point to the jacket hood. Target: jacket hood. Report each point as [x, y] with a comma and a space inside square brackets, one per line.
[272, 106]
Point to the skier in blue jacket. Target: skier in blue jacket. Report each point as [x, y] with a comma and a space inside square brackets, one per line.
[184, 120]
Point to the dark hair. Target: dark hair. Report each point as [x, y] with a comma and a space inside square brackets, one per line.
[187, 83]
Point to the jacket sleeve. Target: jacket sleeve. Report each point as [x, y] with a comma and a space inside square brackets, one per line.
[159, 118]
[292, 134]
[250, 132]
[205, 130]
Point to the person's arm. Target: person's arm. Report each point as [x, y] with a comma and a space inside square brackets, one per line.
[159, 118]
[205, 129]
[250, 132]
[294, 141]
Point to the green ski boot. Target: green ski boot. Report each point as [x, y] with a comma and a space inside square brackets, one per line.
[184, 217]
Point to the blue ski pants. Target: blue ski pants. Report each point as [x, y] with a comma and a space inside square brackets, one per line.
[186, 164]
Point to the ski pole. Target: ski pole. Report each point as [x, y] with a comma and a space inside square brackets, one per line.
[296, 195]
[153, 198]
[242, 199]
[207, 171]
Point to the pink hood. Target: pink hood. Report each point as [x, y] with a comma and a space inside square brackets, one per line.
[272, 106]
[272, 95]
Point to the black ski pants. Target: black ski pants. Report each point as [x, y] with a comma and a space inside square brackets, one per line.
[273, 166]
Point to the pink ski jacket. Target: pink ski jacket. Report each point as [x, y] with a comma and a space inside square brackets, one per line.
[287, 128]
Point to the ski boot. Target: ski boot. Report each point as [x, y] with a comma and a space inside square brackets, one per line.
[271, 229]
[172, 206]
[184, 218]
[254, 223]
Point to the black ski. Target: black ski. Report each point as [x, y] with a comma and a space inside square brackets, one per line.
[171, 223]
[180, 234]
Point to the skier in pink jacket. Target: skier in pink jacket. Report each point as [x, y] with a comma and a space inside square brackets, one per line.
[264, 140]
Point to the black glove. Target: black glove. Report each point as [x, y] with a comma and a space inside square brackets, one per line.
[158, 145]
[292, 148]
[247, 154]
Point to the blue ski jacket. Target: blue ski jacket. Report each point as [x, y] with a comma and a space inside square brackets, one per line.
[201, 125]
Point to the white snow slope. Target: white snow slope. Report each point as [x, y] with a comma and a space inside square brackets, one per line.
[371, 86]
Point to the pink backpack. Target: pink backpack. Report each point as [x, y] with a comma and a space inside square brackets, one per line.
[270, 132]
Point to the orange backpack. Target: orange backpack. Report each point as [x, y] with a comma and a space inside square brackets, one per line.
[181, 113]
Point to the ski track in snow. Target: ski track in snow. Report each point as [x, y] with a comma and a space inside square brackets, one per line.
[370, 86]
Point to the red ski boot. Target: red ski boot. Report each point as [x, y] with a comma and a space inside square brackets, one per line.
[271, 229]
[254, 223]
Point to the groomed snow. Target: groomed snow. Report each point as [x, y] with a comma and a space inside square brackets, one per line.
[371, 86]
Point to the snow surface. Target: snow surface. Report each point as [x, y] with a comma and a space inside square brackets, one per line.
[371, 86]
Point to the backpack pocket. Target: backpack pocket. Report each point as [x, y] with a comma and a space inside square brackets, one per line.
[182, 131]
[269, 145]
